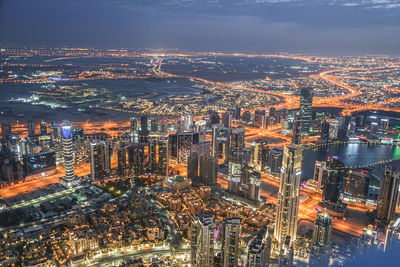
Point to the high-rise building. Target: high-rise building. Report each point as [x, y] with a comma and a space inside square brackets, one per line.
[286, 254]
[356, 185]
[392, 240]
[220, 143]
[325, 130]
[297, 131]
[163, 156]
[260, 249]
[369, 240]
[230, 247]
[100, 160]
[237, 112]
[208, 169]
[288, 196]
[388, 195]
[246, 116]
[275, 160]
[193, 165]
[321, 238]
[251, 181]
[236, 160]
[373, 131]
[68, 154]
[180, 145]
[31, 129]
[306, 99]
[136, 158]
[319, 169]
[6, 131]
[133, 124]
[144, 129]
[202, 241]
[333, 180]
[43, 128]
[333, 129]
[121, 154]
[153, 143]
[227, 119]
[260, 155]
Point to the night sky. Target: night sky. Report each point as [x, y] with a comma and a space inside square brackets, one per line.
[302, 26]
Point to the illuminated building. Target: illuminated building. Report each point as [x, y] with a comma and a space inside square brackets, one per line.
[154, 127]
[144, 129]
[163, 156]
[43, 128]
[333, 129]
[286, 254]
[384, 125]
[356, 185]
[153, 154]
[230, 247]
[5, 131]
[213, 117]
[237, 112]
[260, 119]
[288, 196]
[333, 180]
[275, 160]
[193, 165]
[351, 130]
[68, 155]
[133, 124]
[39, 165]
[121, 154]
[260, 155]
[236, 160]
[187, 121]
[200, 127]
[319, 169]
[220, 142]
[306, 99]
[208, 169]
[369, 240]
[31, 129]
[325, 130]
[321, 239]
[297, 131]
[260, 249]
[246, 116]
[392, 239]
[56, 133]
[202, 241]
[177, 183]
[99, 160]
[227, 119]
[136, 158]
[373, 131]
[180, 145]
[388, 195]
[251, 181]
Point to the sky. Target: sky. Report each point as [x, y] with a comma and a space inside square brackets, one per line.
[297, 26]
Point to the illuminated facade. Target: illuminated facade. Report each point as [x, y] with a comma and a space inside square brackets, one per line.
[388, 195]
[306, 99]
[288, 196]
[321, 238]
[231, 234]
[236, 160]
[202, 241]
[319, 169]
[68, 153]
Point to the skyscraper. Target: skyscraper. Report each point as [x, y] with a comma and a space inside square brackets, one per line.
[43, 128]
[163, 156]
[333, 180]
[388, 195]
[31, 129]
[392, 239]
[231, 235]
[236, 159]
[202, 241]
[297, 131]
[133, 124]
[227, 119]
[100, 162]
[319, 169]
[306, 98]
[288, 196]
[369, 240]
[321, 238]
[260, 249]
[121, 154]
[193, 165]
[220, 143]
[208, 169]
[144, 129]
[68, 154]
[6, 131]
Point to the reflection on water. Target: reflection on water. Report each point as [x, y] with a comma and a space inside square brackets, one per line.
[350, 155]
